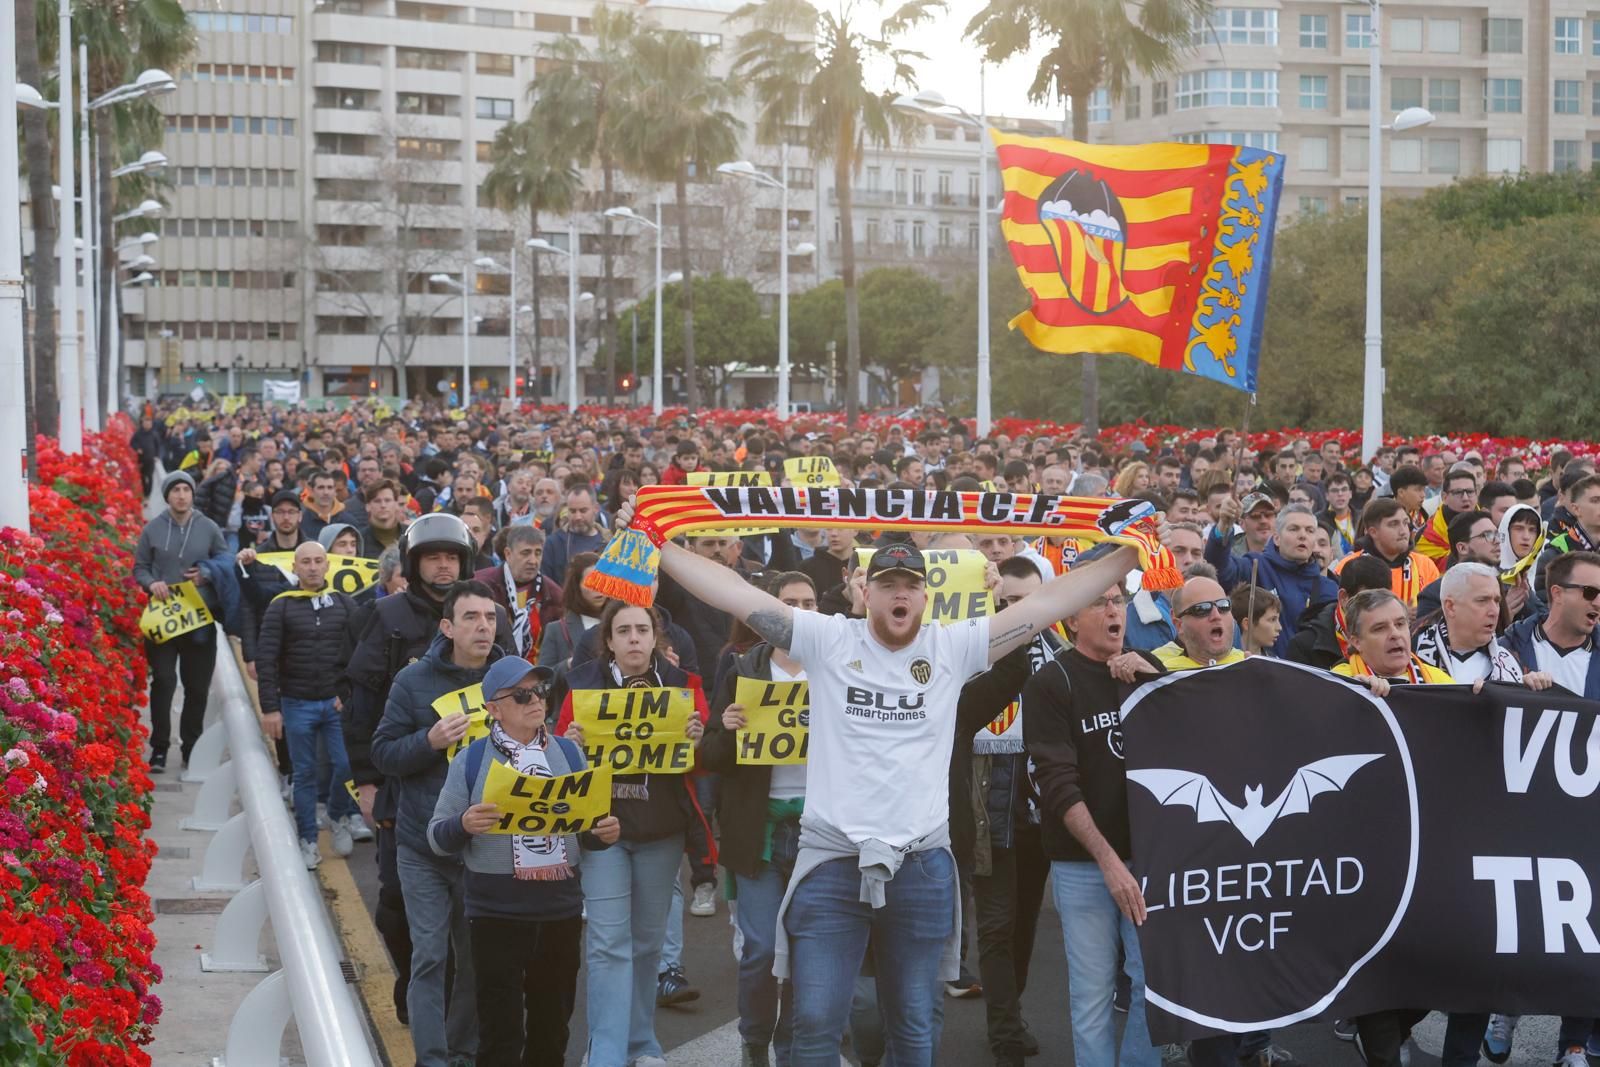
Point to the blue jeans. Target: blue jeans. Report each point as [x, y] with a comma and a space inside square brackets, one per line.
[765, 1017]
[828, 928]
[627, 888]
[444, 1026]
[672, 940]
[1091, 927]
[305, 723]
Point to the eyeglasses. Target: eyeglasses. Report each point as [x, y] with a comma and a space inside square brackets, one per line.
[1588, 592]
[528, 693]
[1491, 537]
[1114, 600]
[1203, 608]
[1459, 492]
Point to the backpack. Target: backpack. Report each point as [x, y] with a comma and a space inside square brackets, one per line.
[475, 751]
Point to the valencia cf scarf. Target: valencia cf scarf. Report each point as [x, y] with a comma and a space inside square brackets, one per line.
[628, 568]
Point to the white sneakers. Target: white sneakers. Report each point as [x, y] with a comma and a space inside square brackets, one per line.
[705, 901]
[311, 854]
[344, 841]
[359, 830]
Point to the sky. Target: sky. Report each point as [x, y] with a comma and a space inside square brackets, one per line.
[952, 67]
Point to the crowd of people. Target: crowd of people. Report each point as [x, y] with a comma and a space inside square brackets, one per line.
[954, 770]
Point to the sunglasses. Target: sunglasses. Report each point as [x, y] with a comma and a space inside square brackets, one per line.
[1588, 592]
[527, 694]
[1203, 608]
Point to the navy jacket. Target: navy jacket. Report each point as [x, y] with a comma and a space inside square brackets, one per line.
[1299, 586]
[1520, 638]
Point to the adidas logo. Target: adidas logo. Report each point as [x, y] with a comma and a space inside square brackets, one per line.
[854, 665]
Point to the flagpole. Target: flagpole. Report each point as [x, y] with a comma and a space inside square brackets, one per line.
[1244, 434]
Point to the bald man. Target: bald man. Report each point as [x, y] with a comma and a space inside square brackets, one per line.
[297, 667]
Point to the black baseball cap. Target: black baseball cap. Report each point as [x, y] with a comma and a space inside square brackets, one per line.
[286, 496]
[897, 557]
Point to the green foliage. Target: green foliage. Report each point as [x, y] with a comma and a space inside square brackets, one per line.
[729, 327]
[903, 313]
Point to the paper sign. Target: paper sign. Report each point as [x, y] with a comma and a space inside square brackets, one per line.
[955, 585]
[810, 471]
[346, 574]
[779, 721]
[180, 613]
[230, 404]
[736, 478]
[531, 804]
[635, 731]
[469, 702]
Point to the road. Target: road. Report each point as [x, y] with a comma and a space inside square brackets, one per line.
[703, 1032]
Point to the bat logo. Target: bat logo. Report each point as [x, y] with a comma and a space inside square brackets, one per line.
[1124, 513]
[1194, 790]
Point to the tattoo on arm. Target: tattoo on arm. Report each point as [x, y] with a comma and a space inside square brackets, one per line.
[776, 626]
[1020, 630]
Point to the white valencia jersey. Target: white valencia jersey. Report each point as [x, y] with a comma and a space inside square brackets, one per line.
[882, 723]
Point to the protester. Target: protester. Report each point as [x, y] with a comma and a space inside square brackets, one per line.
[1461, 641]
[579, 532]
[1385, 533]
[1284, 567]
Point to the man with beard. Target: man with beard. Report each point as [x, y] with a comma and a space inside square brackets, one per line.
[517, 503]
[580, 532]
[385, 518]
[1385, 534]
[546, 503]
[520, 587]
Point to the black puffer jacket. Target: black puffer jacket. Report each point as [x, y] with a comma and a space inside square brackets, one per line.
[214, 497]
[298, 652]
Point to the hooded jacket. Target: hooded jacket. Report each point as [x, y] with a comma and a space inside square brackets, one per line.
[400, 749]
[166, 550]
[1317, 642]
[1299, 586]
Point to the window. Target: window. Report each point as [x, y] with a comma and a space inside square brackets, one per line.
[1130, 102]
[1594, 37]
[425, 59]
[1502, 35]
[423, 148]
[1404, 93]
[1405, 155]
[494, 107]
[1503, 155]
[1314, 92]
[1313, 31]
[1357, 92]
[1158, 99]
[1444, 156]
[944, 235]
[1594, 105]
[917, 240]
[494, 63]
[1594, 155]
[1100, 105]
[1358, 31]
[1355, 153]
[1502, 96]
[1567, 98]
[1235, 25]
[899, 231]
[485, 150]
[424, 104]
[552, 23]
[1313, 205]
[1444, 95]
[943, 186]
[1262, 139]
[918, 187]
[341, 52]
[1569, 36]
[707, 40]
[1313, 153]
[1227, 88]
[1405, 35]
[494, 16]
[1444, 35]
[1567, 154]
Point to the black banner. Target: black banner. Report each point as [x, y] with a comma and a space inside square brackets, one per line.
[1309, 850]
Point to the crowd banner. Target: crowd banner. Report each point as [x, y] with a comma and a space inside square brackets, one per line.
[810, 471]
[1308, 850]
[281, 392]
[627, 569]
[636, 731]
[467, 701]
[778, 722]
[534, 804]
[346, 574]
[956, 585]
[731, 478]
[183, 611]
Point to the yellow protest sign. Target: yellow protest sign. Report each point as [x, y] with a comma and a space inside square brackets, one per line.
[346, 574]
[350, 787]
[778, 717]
[539, 455]
[456, 415]
[467, 701]
[810, 471]
[634, 731]
[180, 613]
[737, 478]
[531, 804]
[955, 585]
[382, 411]
[230, 404]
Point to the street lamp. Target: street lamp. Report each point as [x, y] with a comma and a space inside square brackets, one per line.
[13, 421]
[743, 168]
[149, 161]
[463, 287]
[627, 214]
[929, 103]
[143, 240]
[147, 209]
[539, 244]
[28, 96]
[488, 263]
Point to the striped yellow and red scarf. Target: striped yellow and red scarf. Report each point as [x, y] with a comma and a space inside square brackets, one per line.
[1434, 540]
[628, 567]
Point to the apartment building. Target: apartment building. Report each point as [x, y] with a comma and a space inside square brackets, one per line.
[1514, 85]
[326, 164]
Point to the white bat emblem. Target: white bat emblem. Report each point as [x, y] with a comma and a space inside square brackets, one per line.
[1194, 790]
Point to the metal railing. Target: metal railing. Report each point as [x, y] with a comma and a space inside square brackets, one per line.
[310, 987]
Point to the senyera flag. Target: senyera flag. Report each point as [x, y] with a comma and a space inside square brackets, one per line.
[1158, 251]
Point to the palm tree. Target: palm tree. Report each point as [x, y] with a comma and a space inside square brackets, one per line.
[577, 103]
[527, 175]
[1097, 44]
[805, 68]
[44, 416]
[677, 119]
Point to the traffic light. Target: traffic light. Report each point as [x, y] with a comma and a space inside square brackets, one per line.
[627, 383]
[373, 385]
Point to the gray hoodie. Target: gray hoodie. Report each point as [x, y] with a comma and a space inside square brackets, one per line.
[167, 549]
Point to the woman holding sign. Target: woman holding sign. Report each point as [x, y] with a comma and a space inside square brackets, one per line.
[524, 900]
[637, 709]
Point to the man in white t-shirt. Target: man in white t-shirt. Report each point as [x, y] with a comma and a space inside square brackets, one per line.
[874, 847]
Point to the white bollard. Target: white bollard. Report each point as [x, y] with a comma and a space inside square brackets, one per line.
[213, 805]
[238, 940]
[222, 867]
[206, 756]
[255, 1036]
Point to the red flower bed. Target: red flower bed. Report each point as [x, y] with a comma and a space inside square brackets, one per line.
[75, 968]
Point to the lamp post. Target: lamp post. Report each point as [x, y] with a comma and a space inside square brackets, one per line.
[931, 103]
[13, 383]
[627, 214]
[464, 287]
[489, 263]
[539, 244]
[745, 169]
